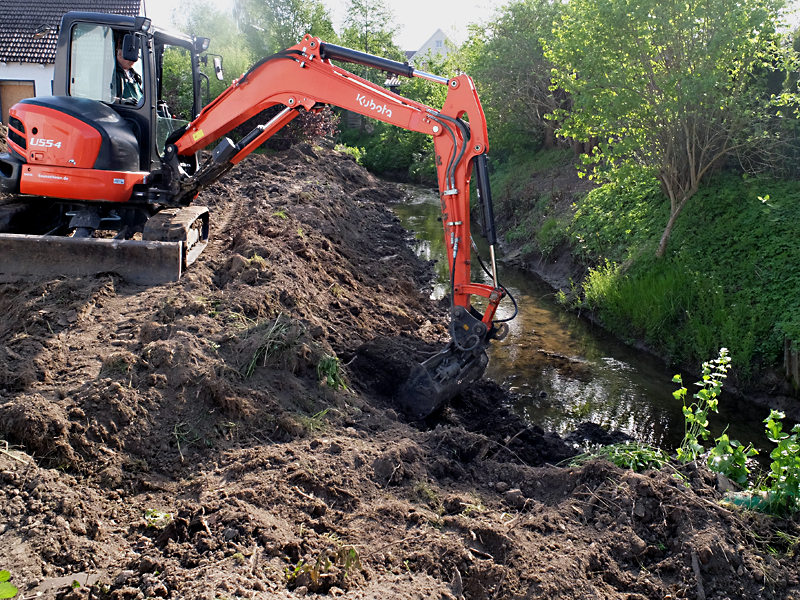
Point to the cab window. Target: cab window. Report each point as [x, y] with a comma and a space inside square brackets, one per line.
[92, 62]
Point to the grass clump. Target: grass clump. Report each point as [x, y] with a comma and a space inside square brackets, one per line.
[629, 455]
[275, 340]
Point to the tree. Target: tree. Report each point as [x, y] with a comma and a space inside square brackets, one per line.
[506, 59]
[368, 27]
[671, 86]
[269, 26]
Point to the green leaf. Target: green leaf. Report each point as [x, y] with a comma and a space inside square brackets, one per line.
[7, 590]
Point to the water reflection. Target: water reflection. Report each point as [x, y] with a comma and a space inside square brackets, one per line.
[565, 370]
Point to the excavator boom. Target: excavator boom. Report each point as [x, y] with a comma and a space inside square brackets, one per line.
[304, 78]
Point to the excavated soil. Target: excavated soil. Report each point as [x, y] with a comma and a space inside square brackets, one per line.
[177, 441]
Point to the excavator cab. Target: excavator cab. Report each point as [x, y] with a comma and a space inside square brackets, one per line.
[87, 67]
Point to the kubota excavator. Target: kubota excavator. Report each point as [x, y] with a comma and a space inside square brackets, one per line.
[86, 160]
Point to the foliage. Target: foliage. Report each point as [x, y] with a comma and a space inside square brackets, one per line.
[732, 278]
[668, 87]
[329, 372]
[7, 590]
[344, 557]
[269, 26]
[157, 519]
[785, 467]
[729, 457]
[706, 400]
[506, 59]
[617, 219]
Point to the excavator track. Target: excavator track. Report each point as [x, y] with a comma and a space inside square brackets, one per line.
[172, 240]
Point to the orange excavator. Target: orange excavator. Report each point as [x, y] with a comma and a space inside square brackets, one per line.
[94, 159]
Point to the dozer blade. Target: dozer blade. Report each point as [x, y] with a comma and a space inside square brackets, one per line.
[172, 240]
[439, 379]
[31, 257]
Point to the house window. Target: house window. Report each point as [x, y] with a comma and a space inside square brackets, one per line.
[439, 43]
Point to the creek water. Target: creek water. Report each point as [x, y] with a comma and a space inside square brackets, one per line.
[566, 370]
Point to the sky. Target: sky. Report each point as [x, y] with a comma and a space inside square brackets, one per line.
[418, 19]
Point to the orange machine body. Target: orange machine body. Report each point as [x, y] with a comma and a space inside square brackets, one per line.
[71, 155]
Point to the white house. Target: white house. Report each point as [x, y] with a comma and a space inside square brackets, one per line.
[436, 44]
[28, 37]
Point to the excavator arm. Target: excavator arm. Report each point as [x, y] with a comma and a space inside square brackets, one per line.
[304, 78]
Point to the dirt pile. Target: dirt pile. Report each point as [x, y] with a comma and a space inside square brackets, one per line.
[193, 441]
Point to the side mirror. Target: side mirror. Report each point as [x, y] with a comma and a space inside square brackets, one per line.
[218, 67]
[130, 47]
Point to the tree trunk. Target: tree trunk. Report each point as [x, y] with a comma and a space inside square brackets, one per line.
[662, 245]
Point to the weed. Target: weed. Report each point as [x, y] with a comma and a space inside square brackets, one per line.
[300, 233]
[630, 455]
[329, 372]
[695, 415]
[314, 422]
[424, 493]
[550, 235]
[157, 519]
[729, 457]
[281, 214]
[345, 558]
[117, 363]
[257, 261]
[183, 433]
[239, 558]
[785, 467]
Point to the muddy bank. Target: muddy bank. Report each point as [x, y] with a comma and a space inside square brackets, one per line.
[184, 442]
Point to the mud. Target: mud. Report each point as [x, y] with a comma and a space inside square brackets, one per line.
[181, 442]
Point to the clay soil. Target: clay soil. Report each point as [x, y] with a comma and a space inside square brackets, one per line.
[181, 441]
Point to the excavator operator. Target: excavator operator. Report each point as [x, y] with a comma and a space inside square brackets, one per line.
[127, 82]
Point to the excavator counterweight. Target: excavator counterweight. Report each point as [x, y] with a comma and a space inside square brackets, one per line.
[101, 177]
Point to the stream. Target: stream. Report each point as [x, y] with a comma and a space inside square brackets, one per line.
[566, 370]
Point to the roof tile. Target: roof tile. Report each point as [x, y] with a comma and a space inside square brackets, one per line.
[19, 20]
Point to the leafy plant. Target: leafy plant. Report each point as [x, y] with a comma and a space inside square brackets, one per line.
[315, 422]
[329, 372]
[344, 557]
[182, 432]
[695, 415]
[729, 457]
[785, 467]
[7, 590]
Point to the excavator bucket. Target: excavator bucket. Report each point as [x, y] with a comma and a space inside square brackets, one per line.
[439, 379]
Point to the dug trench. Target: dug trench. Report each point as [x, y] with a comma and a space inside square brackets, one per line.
[195, 440]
